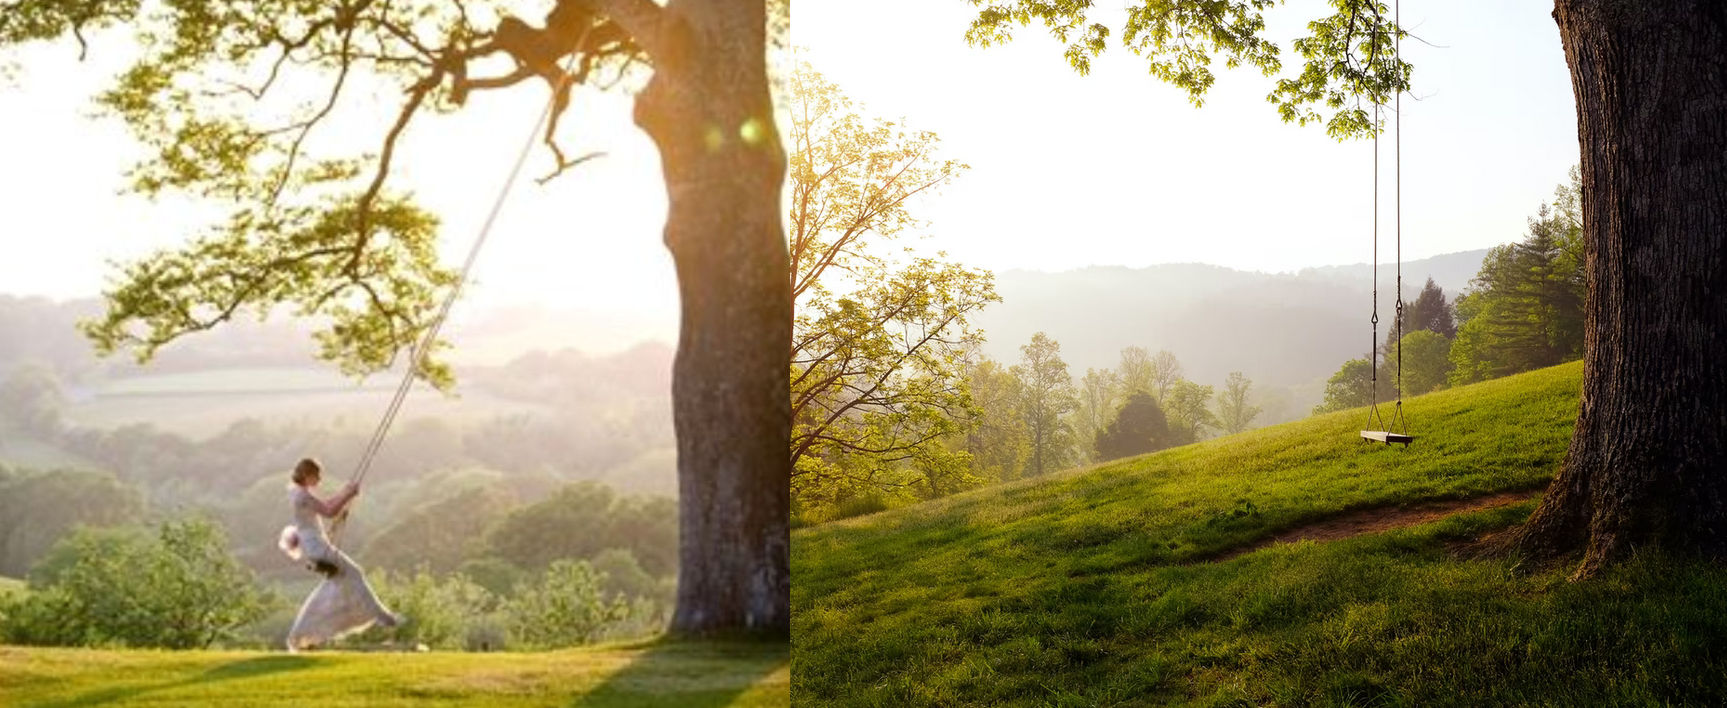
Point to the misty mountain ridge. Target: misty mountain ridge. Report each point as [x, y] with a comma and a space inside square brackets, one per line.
[1280, 329]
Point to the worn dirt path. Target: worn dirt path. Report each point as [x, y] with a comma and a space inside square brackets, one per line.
[1379, 519]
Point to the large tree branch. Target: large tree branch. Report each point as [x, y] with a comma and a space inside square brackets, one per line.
[640, 18]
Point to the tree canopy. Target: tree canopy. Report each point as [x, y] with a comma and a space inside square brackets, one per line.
[1348, 58]
[1138, 427]
[1526, 307]
[1046, 398]
[877, 379]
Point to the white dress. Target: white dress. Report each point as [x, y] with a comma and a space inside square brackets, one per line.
[342, 603]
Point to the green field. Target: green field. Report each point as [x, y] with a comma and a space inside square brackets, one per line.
[1094, 587]
[697, 675]
[201, 404]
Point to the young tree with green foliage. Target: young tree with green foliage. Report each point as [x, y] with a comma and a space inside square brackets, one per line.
[1234, 412]
[1099, 396]
[1046, 398]
[328, 236]
[178, 589]
[565, 608]
[1649, 84]
[996, 437]
[1136, 372]
[1350, 387]
[1426, 362]
[1430, 311]
[1138, 427]
[876, 381]
[1141, 370]
[438, 611]
[1188, 407]
[1166, 374]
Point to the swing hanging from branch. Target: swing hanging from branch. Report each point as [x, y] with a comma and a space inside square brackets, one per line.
[1395, 430]
[417, 355]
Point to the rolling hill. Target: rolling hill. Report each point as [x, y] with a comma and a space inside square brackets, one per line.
[1280, 329]
[1127, 583]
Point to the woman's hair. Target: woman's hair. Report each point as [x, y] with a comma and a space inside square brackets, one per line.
[305, 469]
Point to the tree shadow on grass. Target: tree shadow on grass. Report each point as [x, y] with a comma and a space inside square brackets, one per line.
[244, 668]
[690, 674]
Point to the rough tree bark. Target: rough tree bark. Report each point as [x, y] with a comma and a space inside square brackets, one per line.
[708, 109]
[1647, 465]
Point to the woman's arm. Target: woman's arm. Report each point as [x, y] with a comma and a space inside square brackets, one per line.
[336, 503]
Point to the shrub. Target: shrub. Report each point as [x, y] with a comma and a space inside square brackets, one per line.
[178, 589]
[439, 613]
[566, 607]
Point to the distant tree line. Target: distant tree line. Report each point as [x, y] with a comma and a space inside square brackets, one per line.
[1031, 418]
[1523, 311]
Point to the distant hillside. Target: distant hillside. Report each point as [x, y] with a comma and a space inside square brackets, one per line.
[36, 329]
[1281, 329]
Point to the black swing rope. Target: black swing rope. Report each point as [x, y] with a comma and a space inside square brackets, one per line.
[1374, 421]
[423, 346]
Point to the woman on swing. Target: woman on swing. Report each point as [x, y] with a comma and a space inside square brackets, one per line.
[343, 602]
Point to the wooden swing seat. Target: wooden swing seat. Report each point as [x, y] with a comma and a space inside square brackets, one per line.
[1387, 437]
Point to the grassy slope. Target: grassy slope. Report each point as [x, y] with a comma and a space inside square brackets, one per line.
[1083, 589]
[699, 675]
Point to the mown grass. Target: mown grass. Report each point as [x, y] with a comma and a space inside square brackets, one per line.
[703, 675]
[1089, 588]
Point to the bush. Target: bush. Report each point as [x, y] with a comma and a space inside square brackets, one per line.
[178, 589]
[566, 607]
[859, 506]
[439, 613]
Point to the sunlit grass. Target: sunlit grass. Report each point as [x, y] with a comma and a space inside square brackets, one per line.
[664, 674]
[1090, 588]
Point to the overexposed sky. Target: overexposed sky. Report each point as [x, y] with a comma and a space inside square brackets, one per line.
[1118, 168]
[1067, 171]
[588, 241]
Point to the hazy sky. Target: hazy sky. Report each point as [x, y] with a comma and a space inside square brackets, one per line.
[1117, 167]
[1066, 170]
[589, 240]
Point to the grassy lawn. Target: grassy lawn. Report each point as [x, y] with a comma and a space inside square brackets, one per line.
[699, 675]
[1091, 587]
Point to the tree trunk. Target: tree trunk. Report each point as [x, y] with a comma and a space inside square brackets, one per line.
[1646, 462]
[708, 110]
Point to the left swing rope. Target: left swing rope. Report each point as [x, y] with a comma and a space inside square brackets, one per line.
[423, 346]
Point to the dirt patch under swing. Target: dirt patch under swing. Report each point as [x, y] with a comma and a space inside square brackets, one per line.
[1375, 520]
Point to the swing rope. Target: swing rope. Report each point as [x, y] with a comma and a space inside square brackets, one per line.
[1397, 426]
[1397, 422]
[422, 346]
[1374, 422]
